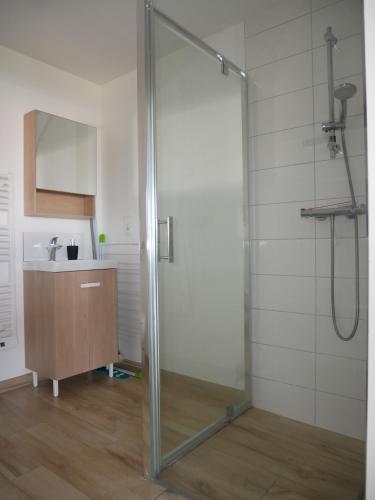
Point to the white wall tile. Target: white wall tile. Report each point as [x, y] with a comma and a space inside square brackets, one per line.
[269, 13]
[287, 400]
[332, 180]
[284, 365]
[278, 149]
[282, 184]
[282, 112]
[284, 293]
[287, 75]
[329, 343]
[347, 60]
[283, 257]
[296, 331]
[355, 105]
[343, 415]
[345, 298]
[344, 227]
[282, 221]
[282, 41]
[342, 376]
[319, 4]
[355, 139]
[345, 18]
[344, 257]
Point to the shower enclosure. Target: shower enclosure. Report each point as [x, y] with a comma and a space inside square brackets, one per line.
[210, 276]
[194, 243]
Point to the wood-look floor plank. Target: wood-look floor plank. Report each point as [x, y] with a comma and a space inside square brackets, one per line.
[90, 470]
[209, 473]
[8, 491]
[189, 405]
[284, 489]
[326, 441]
[42, 484]
[168, 495]
[91, 439]
[288, 459]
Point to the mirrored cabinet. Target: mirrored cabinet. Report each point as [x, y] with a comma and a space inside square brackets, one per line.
[60, 158]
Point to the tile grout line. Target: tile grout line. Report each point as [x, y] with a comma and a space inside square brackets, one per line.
[304, 313]
[306, 238]
[311, 162]
[312, 86]
[249, 37]
[309, 124]
[248, 70]
[311, 12]
[312, 276]
[305, 200]
[321, 353]
[310, 389]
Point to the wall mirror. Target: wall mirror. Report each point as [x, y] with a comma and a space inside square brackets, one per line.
[66, 155]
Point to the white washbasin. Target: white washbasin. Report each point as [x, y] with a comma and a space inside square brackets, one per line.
[61, 266]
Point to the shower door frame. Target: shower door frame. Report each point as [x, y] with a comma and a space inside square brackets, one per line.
[153, 461]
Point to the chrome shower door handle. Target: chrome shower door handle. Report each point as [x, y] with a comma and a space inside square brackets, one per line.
[170, 253]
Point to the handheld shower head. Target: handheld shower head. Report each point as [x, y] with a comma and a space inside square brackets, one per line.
[345, 91]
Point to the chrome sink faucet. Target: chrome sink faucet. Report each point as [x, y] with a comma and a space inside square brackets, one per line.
[52, 247]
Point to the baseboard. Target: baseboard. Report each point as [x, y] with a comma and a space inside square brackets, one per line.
[15, 383]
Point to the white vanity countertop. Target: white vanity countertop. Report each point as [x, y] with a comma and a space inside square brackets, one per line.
[61, 266]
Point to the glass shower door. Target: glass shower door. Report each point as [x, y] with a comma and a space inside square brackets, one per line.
[201, 253]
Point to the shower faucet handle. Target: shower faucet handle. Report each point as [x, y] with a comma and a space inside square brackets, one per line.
[334, 148]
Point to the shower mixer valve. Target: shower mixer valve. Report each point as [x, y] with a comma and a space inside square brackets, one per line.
[332, 126]
[333, 146]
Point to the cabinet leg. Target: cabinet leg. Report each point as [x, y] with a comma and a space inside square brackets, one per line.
[55, 388]
[35, 379]
[110, 369]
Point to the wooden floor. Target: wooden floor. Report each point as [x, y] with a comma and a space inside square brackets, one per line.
[188, 405]
[87, 445]
[264, 456]
[84, 445]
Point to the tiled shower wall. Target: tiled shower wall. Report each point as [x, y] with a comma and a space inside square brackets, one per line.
[300, 368]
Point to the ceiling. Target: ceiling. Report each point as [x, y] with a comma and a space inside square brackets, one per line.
[96, 39]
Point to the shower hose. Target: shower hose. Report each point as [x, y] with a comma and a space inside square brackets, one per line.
[355, 218]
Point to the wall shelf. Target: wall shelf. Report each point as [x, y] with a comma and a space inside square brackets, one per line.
[43, 203]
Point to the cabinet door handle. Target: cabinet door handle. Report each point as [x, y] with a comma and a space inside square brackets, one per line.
[90, 285]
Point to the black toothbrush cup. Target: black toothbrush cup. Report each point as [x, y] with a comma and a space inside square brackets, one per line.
[72, 250]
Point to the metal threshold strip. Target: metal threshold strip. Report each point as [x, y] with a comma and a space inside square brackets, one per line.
[324, 212]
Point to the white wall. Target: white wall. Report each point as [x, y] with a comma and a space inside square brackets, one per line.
[369, 6]
[26, 84]
[119, 215]
[300, 368]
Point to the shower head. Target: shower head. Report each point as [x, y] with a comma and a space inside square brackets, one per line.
[345, 91]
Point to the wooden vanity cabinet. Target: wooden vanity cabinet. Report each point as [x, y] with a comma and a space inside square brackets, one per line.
[70, 321]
